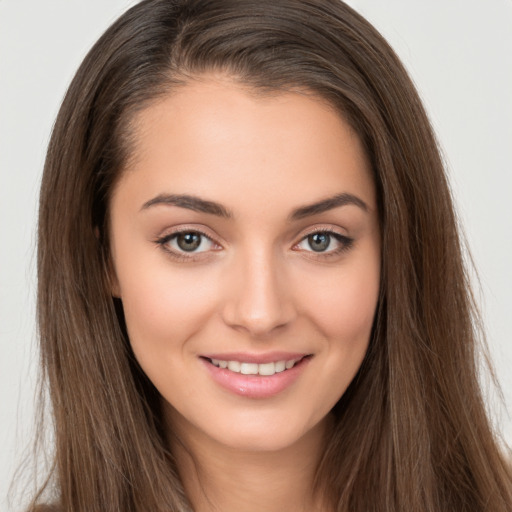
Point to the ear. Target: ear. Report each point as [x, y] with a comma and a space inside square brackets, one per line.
[109, 269]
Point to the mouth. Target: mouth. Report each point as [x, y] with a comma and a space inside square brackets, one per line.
[252, 368]
[253, 376]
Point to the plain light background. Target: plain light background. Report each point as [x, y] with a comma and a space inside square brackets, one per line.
[459, 53]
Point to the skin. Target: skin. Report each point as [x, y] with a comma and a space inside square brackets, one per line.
[254, 286]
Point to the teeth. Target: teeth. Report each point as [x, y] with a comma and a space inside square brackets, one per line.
[266, 369]
[280, 366]
[234, 366]
[248, 368]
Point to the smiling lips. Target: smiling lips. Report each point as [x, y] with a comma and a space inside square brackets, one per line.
[255, 377]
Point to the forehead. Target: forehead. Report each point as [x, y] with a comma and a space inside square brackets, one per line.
[216, 137]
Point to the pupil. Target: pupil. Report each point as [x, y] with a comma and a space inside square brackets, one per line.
[189, 241]
[319, 241]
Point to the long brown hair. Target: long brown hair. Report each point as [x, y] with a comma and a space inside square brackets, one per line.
[411, 431]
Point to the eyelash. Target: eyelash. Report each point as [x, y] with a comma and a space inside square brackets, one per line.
[345, 242]
[182, 255]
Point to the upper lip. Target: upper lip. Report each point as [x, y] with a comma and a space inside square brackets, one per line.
[268, 357]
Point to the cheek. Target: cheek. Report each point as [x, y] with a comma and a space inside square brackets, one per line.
[344, 312]
[350, 310]
[343, 306]
[163, 309]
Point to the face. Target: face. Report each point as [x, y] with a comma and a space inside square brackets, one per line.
[246, 252]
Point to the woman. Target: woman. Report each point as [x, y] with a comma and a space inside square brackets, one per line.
[251, 293]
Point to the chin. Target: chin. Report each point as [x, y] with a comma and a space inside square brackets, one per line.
[261, 433]
[273, 440]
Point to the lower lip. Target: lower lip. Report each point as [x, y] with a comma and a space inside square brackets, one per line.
[255, 386]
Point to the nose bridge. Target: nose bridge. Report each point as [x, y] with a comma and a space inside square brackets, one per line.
[258, 301]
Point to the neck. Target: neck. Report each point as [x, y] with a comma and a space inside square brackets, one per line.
[222, 478]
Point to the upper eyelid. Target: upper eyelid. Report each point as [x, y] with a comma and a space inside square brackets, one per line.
[169, 233]
[322, 229]
[170, 236]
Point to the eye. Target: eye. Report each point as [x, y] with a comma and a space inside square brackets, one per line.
[182, 242]
[327, 242]
[189, 242]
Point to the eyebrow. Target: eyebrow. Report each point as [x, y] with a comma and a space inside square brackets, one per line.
[211, 207]
[190, 203]
[328, 204]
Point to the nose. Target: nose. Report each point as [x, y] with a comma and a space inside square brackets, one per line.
[259, 299]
